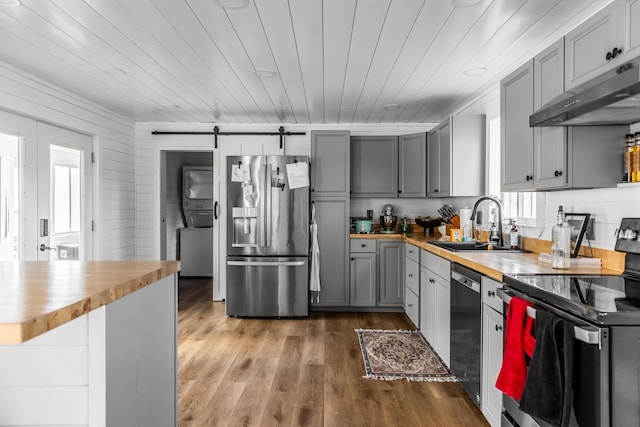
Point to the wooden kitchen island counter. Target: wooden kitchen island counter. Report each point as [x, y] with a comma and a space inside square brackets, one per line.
[88, 343]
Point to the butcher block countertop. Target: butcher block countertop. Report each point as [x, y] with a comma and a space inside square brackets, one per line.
[496, 264]
[37, 296]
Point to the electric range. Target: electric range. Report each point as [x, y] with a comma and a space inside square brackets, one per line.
[605, 312]
[600, 299]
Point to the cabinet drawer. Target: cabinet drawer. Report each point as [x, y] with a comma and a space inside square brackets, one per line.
[489, 295]
[412, 252]
[412, 275]
[362, 245]
[436, 264]
[412, 308]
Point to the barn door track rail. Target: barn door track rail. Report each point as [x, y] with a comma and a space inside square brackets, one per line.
[216, 132]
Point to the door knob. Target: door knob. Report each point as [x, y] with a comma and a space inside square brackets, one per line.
[43, 248]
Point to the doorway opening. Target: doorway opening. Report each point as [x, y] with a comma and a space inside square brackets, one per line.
[187, 210]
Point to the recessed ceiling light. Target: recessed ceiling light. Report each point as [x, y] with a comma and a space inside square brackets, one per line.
[475, 71]
[9, 3]
[232, 4]
[264, 73]
[114, 71]
[465, 3]
[391, 106]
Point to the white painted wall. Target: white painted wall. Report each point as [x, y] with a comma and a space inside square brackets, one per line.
[113, 141]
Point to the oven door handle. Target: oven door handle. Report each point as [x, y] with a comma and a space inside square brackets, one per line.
[586, 334]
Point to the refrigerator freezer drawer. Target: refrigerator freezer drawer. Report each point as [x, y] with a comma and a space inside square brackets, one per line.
[267, 286]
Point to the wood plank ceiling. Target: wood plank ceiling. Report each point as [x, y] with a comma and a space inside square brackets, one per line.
[333, 61]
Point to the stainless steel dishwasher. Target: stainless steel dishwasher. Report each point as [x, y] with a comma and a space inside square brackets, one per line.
[466, 329]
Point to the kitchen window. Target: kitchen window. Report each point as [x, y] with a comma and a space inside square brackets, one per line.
[521, 206]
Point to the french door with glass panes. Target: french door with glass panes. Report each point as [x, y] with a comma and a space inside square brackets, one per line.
[45, 191]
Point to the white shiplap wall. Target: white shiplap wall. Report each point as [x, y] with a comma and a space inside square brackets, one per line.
[113, 139]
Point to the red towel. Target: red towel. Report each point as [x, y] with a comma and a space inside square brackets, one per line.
[514, 368]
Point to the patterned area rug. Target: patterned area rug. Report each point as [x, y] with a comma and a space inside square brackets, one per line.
[396, 355]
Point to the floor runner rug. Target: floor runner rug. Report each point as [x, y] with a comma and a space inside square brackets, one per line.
[395, 355]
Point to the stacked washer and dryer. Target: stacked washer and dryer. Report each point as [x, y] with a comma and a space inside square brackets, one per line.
[196, 239]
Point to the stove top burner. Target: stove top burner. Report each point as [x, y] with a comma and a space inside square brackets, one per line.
[598, 298]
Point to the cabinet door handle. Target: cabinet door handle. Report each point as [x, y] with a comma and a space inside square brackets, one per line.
[353, 259]
[558, 173]
[432, 281]
[364, 245]
[498, 328]
[529, 177]
[491, 293]
[614, 52]
[410, 275]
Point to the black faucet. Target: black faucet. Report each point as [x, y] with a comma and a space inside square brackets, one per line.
[497, 202]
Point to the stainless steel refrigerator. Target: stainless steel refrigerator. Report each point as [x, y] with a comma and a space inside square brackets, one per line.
[267, 237]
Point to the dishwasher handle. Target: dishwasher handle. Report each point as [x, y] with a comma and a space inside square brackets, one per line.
[469, 283]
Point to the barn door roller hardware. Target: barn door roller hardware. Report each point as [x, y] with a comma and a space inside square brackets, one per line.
[216, 132]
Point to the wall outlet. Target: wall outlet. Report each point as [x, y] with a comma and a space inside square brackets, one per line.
[590, 233]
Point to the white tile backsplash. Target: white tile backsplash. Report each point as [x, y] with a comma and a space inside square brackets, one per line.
[607, 205]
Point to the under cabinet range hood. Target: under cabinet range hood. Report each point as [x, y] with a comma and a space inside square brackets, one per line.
[611, 99]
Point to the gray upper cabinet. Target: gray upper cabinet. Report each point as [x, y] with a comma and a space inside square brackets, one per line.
[374, 166]
[516, 137]
[330, 162]
[603, 42]
[549, 143]
[552, 158]
[456, 157]
[439, 157]
[412, 174]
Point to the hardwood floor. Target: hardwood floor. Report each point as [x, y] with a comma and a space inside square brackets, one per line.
[296, 372]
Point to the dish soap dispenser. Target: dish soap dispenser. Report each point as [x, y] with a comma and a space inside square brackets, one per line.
[561, 242]
[494, 237]
[513, 235]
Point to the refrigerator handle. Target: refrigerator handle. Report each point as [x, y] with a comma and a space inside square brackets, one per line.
[266, 217]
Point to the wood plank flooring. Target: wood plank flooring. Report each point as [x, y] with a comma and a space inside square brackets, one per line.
[296, 372]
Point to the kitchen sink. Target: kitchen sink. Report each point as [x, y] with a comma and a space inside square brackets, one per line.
[473, 247]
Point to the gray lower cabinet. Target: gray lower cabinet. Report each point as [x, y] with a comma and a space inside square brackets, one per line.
[374, 166]
[376, 276]
[391, 273]
[435, 304]
[363, 273]
[412, 283]
[492, 346]
[333, 238]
